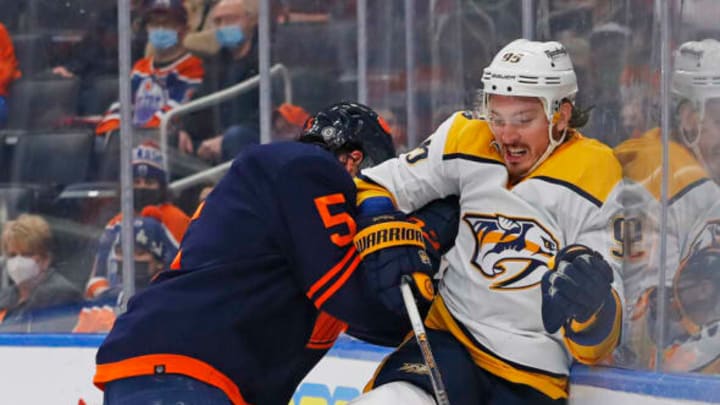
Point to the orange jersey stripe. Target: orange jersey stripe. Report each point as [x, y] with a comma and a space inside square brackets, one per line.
[326, 331]
[330, 274]
[339, 283]
[168, 364]
[175, 265]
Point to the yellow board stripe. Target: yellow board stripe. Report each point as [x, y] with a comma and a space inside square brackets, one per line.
[388, 234]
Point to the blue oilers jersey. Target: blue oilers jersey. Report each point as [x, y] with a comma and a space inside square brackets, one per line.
[265, 273]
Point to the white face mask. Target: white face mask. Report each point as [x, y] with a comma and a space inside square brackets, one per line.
[21, 268]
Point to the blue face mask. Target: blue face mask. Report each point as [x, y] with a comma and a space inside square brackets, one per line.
[230, 36]
[162, 38]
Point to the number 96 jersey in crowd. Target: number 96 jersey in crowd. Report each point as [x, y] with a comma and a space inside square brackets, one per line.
[490, 296]
[245, 307]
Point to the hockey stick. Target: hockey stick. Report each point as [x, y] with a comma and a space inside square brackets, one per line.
[422, 340]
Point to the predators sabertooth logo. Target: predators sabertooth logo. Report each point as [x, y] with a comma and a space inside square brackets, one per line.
[513, 251]
[415, 368]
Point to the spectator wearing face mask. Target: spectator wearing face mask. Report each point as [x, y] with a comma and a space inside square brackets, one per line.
[220, 133]
[39, 299]
[150, 199]
[155, 249]
[167, 78]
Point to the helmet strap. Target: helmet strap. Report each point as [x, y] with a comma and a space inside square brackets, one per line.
[552, 142]
[694, 145]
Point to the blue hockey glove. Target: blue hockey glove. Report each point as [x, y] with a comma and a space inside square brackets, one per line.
[439, 222]
[391, 247]
[576, 288]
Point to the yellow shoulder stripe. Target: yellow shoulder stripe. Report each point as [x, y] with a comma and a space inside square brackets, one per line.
[368, 189]
[641, 159]
[585, 165]
[470, 138]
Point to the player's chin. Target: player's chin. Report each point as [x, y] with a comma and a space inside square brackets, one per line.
[518, 169]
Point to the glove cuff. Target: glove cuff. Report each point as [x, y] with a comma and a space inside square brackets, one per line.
[388, 234]
[424, 285]
[599, 323]
[599, 338]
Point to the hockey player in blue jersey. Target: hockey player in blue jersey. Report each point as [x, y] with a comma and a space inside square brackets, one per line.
[267, 276]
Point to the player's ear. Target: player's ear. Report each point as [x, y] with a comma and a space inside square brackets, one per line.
[687, 116]
[563, 116]
[354, 159]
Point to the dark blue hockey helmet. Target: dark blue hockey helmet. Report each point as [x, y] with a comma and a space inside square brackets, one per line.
[348, 126]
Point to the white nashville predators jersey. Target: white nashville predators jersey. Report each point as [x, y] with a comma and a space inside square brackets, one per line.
[690, 213]
[490, 296]
[693, 224]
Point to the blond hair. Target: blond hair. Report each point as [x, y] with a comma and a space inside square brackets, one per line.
[30, 230]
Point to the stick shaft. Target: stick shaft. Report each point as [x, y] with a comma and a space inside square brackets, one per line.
[422, 340]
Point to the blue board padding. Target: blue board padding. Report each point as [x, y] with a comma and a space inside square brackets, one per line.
[345, 347]
[678, 386]
[695, 387]
[51, 340]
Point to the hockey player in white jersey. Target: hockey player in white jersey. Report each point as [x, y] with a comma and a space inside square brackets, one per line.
[693, 214]
[531, 285]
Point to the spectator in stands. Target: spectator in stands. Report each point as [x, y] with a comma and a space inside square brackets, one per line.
[237, 119]
[202, 39]
[94, 56]
[609, 44]
[154, 251]
[151, 199]
[287, 122]
[168, 78]
[9, 71]
[39, 298]
[633, 113]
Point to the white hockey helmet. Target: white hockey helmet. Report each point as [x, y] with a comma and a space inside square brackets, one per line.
[696, 78]
[531, 69]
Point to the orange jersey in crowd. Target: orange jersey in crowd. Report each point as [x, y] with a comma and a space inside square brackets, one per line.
[9, 70]
[156, 89]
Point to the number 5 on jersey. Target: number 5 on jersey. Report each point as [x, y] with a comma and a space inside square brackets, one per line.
[323, 204]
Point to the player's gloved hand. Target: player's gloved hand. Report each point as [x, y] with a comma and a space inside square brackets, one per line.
[439, 223]
[391, 247]
[576, 288]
